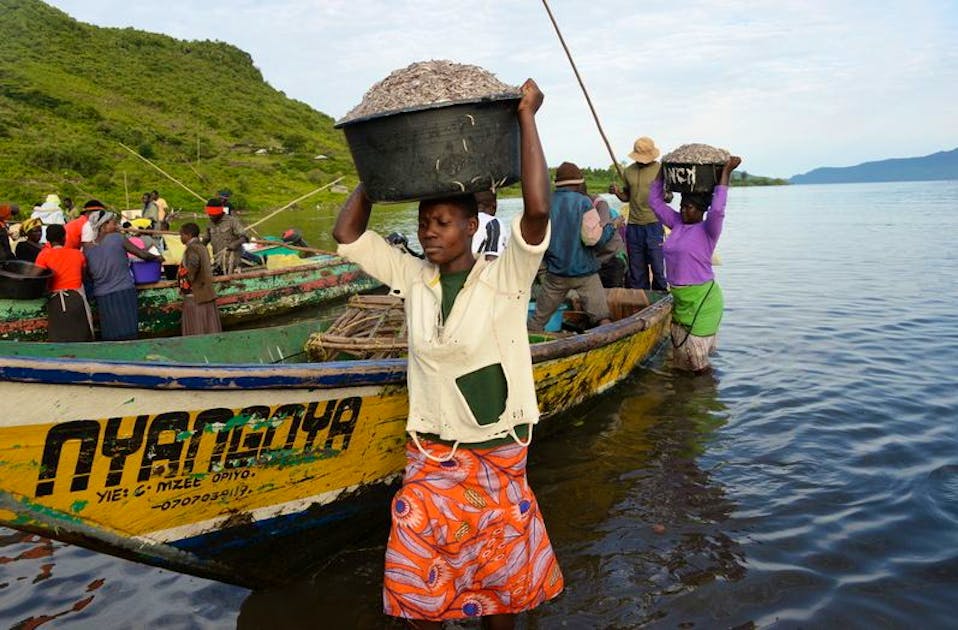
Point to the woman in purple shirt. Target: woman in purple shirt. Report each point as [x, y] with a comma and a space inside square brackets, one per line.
[698, 301]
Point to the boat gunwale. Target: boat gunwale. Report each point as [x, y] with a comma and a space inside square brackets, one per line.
[307, 265]
[307, 375]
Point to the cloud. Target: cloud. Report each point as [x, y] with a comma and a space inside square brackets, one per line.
[790, 85]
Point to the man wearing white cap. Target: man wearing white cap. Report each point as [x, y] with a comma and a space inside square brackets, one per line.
[644, 233]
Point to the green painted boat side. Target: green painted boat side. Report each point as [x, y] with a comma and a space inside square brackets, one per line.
[275, 344]
[241, 297]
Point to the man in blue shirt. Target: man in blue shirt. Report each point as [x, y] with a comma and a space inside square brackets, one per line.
[571, 262]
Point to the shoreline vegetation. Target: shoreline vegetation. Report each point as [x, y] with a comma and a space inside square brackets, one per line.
[597, 180]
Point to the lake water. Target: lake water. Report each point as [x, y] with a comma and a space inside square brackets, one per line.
[811, 482]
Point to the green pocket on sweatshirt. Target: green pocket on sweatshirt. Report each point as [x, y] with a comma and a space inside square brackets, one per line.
[485, 391]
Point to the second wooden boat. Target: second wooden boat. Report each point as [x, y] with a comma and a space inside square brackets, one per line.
[241, 297]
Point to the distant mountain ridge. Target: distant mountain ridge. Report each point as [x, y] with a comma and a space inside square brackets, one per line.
[941, 165]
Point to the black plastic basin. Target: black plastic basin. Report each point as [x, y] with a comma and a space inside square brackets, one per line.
[21, 280]
[444, 149]
[691, 178]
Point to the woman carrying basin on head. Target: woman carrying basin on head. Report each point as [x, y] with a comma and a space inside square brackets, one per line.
[467, 539]
[698, 300]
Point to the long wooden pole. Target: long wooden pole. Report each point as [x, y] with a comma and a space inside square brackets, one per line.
[294, 201]
[588, 100]
[311, 250]
[171, 178]
[258, 241]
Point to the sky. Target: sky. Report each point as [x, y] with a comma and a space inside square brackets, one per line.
[788, 85]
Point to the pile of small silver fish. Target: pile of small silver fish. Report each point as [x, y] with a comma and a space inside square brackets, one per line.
[427, 83]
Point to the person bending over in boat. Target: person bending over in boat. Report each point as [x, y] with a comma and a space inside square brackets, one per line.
[571, 262]
[294, 237]
[68, 314]
[697, 297]
[467, 538]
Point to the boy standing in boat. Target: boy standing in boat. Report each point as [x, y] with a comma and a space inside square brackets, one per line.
[644, 232]
[467, 539]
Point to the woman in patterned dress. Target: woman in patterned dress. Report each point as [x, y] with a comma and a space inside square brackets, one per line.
[467, 538]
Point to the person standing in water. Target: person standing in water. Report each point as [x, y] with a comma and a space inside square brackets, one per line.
[467, 538]
[697, 297]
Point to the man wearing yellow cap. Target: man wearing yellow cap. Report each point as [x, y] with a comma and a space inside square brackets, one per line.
[644, 234]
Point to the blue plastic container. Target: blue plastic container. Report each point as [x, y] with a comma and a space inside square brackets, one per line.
[146, 271]
[555, 322]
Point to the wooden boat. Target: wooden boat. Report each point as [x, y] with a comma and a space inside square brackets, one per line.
[241, 297]
[221, 456]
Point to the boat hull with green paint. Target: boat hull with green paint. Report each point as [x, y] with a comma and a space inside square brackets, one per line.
[222, 456]
[241, 297]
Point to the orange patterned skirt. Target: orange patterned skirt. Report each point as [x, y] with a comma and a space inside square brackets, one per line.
[467, 539]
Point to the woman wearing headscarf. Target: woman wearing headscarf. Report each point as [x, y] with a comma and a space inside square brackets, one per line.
[29, 248]
[109, 269]
[49, 211]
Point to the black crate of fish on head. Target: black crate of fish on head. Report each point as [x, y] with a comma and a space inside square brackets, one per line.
[693, 168]
[432, 129]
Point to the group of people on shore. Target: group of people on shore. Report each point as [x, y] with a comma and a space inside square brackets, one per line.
[90, 261]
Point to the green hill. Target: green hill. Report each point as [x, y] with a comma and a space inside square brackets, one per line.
[70, 93]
